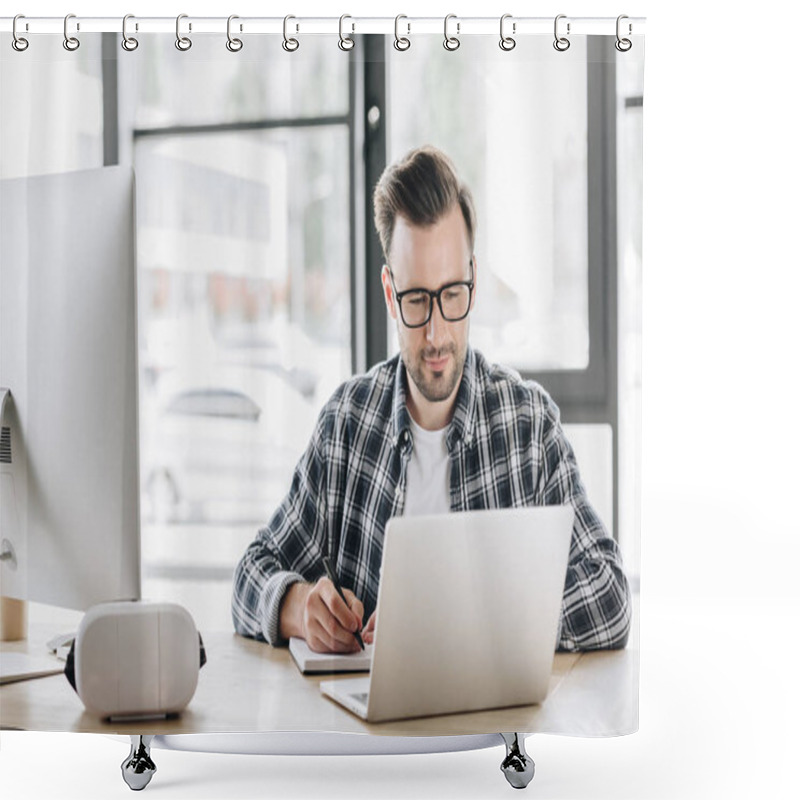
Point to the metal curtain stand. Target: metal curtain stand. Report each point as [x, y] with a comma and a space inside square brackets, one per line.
[138, 768]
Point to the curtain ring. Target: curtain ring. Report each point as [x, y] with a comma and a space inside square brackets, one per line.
[623, 45]
[507, 42]
[451, 42]
[561, 43]
[401, 43]
[233, 44]
[345, 42]
[129, 43]
[19, 43]
[183, 43]
[289, 45]
[70, 42]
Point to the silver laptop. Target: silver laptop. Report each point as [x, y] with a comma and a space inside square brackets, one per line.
[468, 611]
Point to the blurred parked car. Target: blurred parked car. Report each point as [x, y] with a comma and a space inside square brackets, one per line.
[221, 449]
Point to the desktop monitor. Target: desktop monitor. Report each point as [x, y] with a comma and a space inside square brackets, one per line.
[69, 464]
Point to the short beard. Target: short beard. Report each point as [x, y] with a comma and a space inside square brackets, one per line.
[436, 391]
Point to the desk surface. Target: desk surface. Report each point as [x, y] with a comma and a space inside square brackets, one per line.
[248, 686]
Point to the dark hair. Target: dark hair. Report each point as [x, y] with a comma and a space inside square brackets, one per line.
[422, 187]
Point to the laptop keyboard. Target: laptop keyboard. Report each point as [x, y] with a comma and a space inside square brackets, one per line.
[361, 697]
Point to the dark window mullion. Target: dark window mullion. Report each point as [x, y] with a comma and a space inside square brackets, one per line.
[355, 142]
[110, 50]
[375, 122]
[238, 127]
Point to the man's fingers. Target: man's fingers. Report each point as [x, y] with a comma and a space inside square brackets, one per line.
[368, 634]
[321, 614]
[345, 616]
[324, 630]
[320, 641]
[329, 621]
[356, 606]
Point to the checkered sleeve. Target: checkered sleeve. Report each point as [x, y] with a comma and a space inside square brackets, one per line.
[288, 550]
[596, 611]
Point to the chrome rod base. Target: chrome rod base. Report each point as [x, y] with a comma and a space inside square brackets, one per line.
[138, 768]
[517, 766]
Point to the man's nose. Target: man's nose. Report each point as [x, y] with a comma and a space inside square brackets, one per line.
[435, 326]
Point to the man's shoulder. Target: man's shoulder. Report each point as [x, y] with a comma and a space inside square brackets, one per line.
[505, 385]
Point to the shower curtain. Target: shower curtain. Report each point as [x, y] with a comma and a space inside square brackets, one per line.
[256, 150]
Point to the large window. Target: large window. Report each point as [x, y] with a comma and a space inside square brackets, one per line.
[515, 125]
[245, 262]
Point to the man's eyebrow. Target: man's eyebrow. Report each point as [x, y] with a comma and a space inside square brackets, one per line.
[437, 289]
[465, 279]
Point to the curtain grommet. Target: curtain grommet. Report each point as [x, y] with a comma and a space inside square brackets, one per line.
[451, 43]
[233, 44]
[623, 44]
[561, 43]
[289, 44]
[129, 43]
[345, 42]
[19, 43]
[71, 43]
[401, 43]
[507, 43]
[183, 43]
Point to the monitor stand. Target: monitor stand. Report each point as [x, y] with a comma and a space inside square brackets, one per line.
[13, 619]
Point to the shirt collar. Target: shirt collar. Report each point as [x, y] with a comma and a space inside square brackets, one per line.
[462, 425]
[400, 417]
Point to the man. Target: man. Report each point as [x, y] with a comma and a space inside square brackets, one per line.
[434, 429]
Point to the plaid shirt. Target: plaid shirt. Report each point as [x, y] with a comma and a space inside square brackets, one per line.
[507, 449]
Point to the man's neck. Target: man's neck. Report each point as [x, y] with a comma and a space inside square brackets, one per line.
[432, 416]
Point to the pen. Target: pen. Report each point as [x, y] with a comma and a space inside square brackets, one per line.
[335, 582]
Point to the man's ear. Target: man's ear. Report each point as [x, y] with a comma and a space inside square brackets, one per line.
[474, 281]
[387, 292]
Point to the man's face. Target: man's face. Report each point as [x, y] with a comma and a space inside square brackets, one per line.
[429, 258]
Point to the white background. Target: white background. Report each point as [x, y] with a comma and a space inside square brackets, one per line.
[721, 539]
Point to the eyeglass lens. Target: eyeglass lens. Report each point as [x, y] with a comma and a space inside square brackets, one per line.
[453, 303]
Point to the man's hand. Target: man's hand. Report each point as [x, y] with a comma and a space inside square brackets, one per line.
[317, 614]
[368, 634]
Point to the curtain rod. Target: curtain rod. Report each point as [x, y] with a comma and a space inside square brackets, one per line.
[348, 25]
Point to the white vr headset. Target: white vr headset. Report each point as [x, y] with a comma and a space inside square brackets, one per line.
[135, 659]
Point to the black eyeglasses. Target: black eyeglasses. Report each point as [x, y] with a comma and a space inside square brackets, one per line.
[416, 305]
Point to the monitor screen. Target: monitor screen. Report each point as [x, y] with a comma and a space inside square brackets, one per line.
[69, 467]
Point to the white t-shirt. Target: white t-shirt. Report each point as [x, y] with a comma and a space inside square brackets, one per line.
[428, 477]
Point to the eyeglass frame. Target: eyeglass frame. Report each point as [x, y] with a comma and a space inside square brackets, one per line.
[434, 295]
